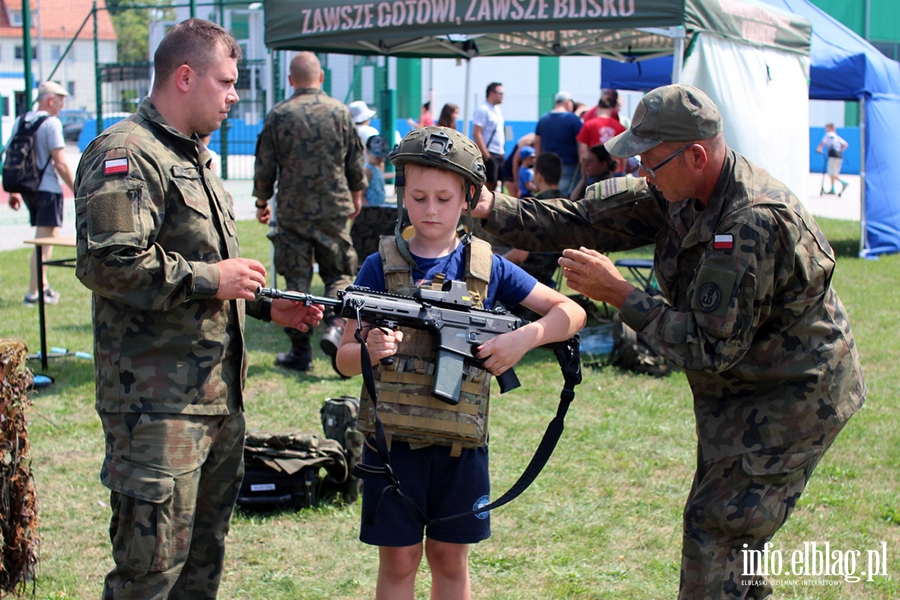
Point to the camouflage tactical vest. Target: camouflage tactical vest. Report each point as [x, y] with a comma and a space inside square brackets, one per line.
[407, 409]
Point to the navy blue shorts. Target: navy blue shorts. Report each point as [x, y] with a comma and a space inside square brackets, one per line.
[439, 485]
[44, 208]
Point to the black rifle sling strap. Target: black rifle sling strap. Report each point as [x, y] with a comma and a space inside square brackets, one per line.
[362, 470]
[569, 358]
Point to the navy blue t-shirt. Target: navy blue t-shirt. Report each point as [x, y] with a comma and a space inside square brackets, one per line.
[558, 131]
[509, 284]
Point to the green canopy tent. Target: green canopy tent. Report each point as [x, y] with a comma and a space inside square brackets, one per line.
[745, 44]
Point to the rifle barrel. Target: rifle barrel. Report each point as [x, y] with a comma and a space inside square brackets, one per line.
[297, 297]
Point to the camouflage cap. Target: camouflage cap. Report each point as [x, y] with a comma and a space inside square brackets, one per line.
[671, 113]
[441, 148]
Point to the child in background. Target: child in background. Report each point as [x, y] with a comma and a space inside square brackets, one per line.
[834, 146]
[444, 171]
[376, 151]
[526, 172]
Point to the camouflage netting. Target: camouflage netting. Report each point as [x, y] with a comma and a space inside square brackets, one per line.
[18, 501]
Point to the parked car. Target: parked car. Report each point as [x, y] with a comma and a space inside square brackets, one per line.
[73, 122]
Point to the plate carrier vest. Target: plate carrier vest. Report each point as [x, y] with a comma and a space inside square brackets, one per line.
[407, 409]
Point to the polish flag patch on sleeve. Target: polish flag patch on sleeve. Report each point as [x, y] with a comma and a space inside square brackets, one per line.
[114, 166]
[723, 242]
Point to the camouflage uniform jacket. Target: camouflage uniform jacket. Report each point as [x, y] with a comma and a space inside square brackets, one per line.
[749, 309]
[310, 146]
[152, 220]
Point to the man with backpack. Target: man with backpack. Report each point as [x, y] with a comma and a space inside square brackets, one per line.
[45, 200]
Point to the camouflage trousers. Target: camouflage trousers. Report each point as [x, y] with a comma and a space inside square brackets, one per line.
[325, 242]
[736, 505]
[174, 482]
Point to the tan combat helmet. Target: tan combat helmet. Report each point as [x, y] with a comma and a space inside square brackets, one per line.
[441, 148]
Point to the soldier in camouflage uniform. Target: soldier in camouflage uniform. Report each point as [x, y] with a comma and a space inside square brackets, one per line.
[157, 245]
[749, 313]
[310, 146]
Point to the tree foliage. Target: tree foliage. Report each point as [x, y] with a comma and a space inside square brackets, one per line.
[131, 19]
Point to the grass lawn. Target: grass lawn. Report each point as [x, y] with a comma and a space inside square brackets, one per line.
[602, 521]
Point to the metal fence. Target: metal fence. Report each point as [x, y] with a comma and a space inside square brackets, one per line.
[103, 57]
[76, 44]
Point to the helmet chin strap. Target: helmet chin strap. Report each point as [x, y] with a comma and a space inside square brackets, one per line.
[402, 246]
[470, 197]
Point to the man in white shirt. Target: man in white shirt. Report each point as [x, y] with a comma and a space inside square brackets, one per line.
[487, 133]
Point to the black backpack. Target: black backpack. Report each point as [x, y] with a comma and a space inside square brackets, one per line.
[339, 416]
[20, 171]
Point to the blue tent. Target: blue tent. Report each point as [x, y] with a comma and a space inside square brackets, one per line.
[843, 67]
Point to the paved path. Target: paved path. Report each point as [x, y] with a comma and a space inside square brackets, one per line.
[14, 227]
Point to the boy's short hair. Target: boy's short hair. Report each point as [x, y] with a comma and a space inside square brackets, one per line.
[549, 166]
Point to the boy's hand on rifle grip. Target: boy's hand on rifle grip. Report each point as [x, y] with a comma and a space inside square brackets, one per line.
[383, 343]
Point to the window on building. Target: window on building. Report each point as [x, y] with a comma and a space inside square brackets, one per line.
[15, 18]
[20, 55]
[70, 87]
[55, 52]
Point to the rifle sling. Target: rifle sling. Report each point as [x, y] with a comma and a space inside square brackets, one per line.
[568, 356]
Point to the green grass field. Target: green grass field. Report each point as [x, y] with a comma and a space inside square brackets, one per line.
[602, 521]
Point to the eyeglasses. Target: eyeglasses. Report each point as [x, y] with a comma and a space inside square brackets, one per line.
[652, 172]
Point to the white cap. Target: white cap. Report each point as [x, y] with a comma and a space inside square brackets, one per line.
[51, 87]
[562, 97]
[360, 111]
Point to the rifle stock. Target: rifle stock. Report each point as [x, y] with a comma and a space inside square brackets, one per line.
[457, 327]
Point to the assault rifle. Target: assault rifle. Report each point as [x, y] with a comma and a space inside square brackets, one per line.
[447, 313]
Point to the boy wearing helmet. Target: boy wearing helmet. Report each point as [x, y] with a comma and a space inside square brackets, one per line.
[440, 173]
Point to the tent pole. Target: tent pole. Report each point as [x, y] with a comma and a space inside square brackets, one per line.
[863, 245]
[678, 54]
[465, 128]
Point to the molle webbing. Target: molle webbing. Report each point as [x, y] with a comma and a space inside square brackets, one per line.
[407, 409]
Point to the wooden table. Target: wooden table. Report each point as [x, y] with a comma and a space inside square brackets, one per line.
[39, 243]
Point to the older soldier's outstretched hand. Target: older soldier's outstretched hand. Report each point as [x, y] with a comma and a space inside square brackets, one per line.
[591, 273]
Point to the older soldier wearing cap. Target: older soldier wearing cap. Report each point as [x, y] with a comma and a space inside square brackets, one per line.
[157, 245]
[748, 312]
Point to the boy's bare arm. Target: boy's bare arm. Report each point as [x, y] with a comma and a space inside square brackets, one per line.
[562, 319]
